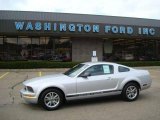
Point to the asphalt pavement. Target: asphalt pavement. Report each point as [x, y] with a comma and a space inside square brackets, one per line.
[12, 107]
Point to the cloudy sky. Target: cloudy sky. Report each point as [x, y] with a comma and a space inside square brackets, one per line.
[127, 8]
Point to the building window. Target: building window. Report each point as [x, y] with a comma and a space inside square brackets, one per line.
[24, 48]
[42, 48]
[35, 48]
[63, 49]
[131, 50]
[10, 48]
[50, 48]
[35, 55]
[1, 48]
[58, 49]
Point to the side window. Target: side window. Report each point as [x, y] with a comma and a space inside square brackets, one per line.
[123, 69]
[108, 69]
[95, 70]
[99, 70]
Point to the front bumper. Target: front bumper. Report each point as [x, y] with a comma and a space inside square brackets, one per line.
[28, 96]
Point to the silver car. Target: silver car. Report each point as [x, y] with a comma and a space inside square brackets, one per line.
[86, 80]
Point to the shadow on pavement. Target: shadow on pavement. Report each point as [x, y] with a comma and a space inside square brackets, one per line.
[85, 102]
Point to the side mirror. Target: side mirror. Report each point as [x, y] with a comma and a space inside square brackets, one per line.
[85, 75]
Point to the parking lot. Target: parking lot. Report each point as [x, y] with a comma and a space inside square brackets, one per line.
[12, 107]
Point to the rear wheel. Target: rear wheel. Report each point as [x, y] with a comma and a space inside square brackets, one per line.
[51, 99]
[130, 92]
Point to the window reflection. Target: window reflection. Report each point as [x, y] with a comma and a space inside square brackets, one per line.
[1, 40]
[42, 48]
[63, 49]
[50, 48]
[132, 49]
[60, 49]
[24, 48]
[1, 48]
[35, 48]
[10, 51]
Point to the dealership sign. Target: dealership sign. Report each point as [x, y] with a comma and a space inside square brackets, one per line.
[78, 27]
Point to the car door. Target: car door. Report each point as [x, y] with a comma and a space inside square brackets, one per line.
[101, 77]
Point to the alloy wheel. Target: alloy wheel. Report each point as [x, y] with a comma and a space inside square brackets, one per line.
[131, 92]
[51, 99]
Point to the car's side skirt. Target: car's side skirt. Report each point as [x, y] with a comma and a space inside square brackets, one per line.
[93, 94]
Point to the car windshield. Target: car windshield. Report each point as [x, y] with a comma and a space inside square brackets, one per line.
[75, 70]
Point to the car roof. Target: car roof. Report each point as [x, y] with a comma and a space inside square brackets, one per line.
[110, 63]
[96, 63]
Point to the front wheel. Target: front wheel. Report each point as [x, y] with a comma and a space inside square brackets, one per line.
[51, 99]
[130, 92]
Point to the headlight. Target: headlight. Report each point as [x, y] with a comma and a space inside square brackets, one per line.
[29, 89]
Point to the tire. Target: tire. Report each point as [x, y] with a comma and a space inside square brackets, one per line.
[51, 99]
[130, 92]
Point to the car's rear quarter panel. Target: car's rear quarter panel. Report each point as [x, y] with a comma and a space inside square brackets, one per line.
[126, 77]
[140, 76]
[145, 78]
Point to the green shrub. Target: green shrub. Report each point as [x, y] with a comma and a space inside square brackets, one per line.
[140, 63]
[51, 64]
[35, 64]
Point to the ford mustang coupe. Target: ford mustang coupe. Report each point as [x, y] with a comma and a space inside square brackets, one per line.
[86, 80]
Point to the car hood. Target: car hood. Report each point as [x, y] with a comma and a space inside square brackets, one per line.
[39, 80]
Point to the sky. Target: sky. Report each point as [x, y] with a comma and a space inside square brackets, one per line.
[127, 8]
